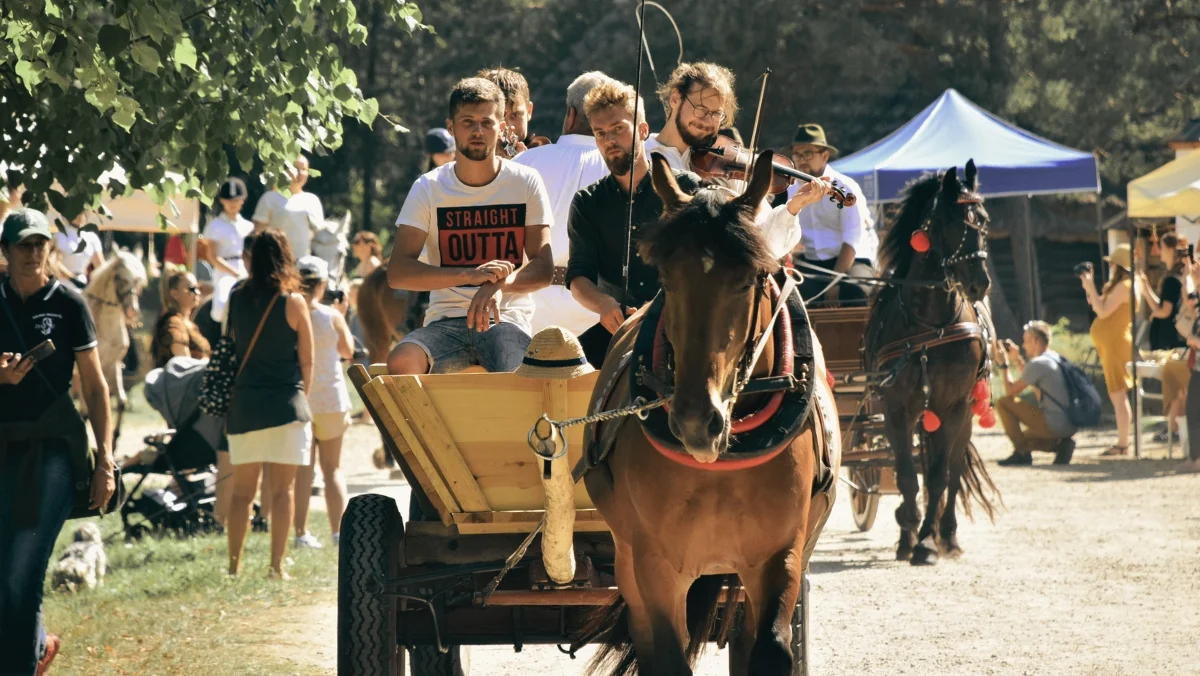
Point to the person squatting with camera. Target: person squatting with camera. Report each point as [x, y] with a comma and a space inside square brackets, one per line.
[48, 470]
[1036, 420]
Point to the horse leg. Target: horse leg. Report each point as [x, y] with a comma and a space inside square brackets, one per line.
[640, 630]
[957, 465]
[772, 589]
[663, 594]
[937, 459]
[908, 515]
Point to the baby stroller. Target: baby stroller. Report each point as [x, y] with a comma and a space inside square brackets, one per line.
[186, 453]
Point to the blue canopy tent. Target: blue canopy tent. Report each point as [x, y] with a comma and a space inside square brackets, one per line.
[952, 130]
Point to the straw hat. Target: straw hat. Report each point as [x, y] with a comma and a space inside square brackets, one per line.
[1120, 256]
[554, 354]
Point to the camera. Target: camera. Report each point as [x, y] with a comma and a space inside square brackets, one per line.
[1082, 268]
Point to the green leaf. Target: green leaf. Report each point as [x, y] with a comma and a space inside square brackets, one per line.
[370, 110]
[146, 57]
[113, 40]
[126, 112]
[342, 92]
[29, 73]
[53, 10]
[185, 52]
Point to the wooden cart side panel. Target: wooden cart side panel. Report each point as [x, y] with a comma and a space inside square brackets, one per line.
[410, 447]
[429, 426]
[586, 521]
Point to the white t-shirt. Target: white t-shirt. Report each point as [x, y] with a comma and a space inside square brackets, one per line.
[298, 217]
[567, 166]
[468, 226]
[825, 227]
[676, 160]
[67, 242]
[328, 393]
[226, 237]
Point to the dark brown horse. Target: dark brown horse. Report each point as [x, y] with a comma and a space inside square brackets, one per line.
[682, 530]
[384, 314]
[930, 330]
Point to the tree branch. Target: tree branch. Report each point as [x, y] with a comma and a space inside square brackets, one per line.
[184, 20]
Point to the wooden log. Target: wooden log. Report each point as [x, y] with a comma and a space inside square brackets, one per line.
[586, 521]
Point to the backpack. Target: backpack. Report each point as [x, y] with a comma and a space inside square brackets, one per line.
[1083, 405]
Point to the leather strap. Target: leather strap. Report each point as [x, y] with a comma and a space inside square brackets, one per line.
[262, 322]
[559, 278]
[950, 334]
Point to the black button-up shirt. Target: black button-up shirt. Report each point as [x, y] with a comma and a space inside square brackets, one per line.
[599, 214]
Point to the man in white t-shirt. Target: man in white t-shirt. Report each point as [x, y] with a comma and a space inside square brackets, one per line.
[485, 222]
[567, 166]
[76, 251]
[298, 215]
[699, 100]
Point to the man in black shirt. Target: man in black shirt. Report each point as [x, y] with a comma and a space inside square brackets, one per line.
[45, 457]
[599, 218]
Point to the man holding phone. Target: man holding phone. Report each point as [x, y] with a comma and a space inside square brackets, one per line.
[46, 461]
[1038, 422]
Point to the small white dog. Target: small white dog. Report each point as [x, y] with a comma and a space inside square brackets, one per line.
[83, 563]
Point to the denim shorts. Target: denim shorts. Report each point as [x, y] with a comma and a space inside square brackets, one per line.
[452, 347]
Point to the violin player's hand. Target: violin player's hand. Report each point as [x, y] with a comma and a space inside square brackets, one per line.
[808, 194]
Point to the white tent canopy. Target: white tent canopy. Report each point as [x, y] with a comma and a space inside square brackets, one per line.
[1171, 190]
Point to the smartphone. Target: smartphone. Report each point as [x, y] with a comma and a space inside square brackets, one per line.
[38, 353]
[1191, 252]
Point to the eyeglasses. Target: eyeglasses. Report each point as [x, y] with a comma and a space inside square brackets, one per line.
[702, 112]
[194, 289]
[806, 155]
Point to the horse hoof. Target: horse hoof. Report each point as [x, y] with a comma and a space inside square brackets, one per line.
[904, 551]
[953, 552]
[924, 556]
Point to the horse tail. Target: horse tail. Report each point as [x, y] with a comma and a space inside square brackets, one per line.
[974, 483]
[609, 626]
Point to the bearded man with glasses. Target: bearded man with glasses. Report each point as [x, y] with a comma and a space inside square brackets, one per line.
[699, 101]
[842, 240]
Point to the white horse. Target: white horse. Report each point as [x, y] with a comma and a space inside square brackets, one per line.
[112, 294]
[329, 243]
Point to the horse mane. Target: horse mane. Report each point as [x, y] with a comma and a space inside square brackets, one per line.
[104, 275]
[709, 224]
[895, 254]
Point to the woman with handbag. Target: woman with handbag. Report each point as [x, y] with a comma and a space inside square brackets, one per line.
[269, 423]
[48, 471]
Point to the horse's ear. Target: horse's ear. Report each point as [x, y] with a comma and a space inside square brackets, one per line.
[971, 177]
[950, 181]
[760, 180]
[663, 180]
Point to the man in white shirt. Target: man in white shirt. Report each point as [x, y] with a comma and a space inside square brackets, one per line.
[298, 214]
[699, 100]
[486, 223]
[567, 166]
[840, 240]
[76, 251]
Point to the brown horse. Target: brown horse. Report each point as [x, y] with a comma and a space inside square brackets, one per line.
[682, 531]
[384, 313]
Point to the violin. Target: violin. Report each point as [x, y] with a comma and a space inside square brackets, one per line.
[725, 158]
[508, 144]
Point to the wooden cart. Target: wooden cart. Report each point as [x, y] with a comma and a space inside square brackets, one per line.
[866, 453]
[417, 587]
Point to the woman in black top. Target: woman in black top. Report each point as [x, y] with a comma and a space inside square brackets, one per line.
[269, 423]
[1164, 337]
[45, 458]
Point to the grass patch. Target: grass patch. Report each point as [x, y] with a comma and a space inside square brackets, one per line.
[167, 606]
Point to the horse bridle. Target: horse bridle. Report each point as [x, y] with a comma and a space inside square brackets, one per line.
[973, 222]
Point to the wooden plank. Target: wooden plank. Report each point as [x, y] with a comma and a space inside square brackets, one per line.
[402, 432]
[444, 453]
[586, 521]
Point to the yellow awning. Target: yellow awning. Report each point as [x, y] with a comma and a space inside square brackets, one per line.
[1171, 190]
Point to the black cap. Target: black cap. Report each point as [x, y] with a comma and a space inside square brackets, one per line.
[438, 140]
[233, 189]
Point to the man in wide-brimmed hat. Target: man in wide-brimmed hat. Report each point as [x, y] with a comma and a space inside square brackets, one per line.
[840, 240]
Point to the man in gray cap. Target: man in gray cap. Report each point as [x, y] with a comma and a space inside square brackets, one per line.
[840, 240]
[48, 468]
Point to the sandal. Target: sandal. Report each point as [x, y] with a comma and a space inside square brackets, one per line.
[1115, 450]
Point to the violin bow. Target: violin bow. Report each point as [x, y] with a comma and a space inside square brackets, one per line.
[762, 95]
[637, 90]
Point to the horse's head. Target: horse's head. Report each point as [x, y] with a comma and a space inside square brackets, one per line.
[958, 232]
[119, 282]
[711, 260]
[329, 243]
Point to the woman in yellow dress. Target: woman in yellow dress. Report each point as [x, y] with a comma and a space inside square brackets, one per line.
[1112, 334]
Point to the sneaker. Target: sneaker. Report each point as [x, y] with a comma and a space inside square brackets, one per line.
[53, 643]
[308, 540]
[1016, 459]
[1063, 451]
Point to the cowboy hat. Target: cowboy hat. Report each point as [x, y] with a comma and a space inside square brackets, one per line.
[554, 354]
[812, 134]
[1120, 256]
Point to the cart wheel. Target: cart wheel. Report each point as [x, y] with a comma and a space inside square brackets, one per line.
[425, 660]
[800, 631]
[371, 546]
[864, 505]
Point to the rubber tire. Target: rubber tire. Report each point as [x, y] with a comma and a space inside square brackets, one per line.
[371, 544]
[425, 660]
[864, 506]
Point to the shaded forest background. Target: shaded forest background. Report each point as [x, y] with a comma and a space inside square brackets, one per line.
[1117, 77]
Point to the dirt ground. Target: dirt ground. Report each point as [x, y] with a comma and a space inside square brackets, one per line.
[1090, 569]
